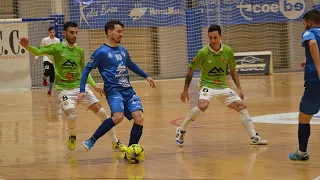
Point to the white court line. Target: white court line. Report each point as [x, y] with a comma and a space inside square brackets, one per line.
[317, 178]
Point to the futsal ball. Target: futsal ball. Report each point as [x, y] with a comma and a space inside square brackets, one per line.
[135, 153]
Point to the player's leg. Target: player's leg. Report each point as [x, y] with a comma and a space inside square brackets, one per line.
[91, 102]
[46, 73]
[51, 78]
[133, 110]
[205, 95]
[233, 101]
[309, 106]
[116, 105]
[68, 98]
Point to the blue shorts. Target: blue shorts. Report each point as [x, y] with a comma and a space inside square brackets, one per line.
[124, 101]
[310, 101]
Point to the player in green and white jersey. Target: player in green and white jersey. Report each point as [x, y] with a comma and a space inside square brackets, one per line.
[213, 60]
[47, 60]
[68, 65]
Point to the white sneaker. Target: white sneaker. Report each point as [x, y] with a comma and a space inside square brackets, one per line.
[179, 136]
[257, 140]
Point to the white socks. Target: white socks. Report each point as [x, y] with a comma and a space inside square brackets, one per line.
[247, 122]
[72, 123]
[194, 112]
[102, 114]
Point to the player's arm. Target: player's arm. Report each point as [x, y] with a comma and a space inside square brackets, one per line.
[234, 74]
[136, 69]
[188, 79]
[193, 65]
[89, 79]
[314, 50]
[50, 50]
[235, 78]
[309, 39]
[42, 43]
[92, 64]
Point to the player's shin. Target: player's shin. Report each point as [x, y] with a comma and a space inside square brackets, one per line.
[194, 112]
[102, 129]
[72, 123]
[102, 114]
[135, 134]
[247, 122]
[303, 135]
[50, 86]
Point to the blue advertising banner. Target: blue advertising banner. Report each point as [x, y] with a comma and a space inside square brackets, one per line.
[94, 14]
[230, 12]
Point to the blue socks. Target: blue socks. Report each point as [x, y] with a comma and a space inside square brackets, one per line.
[103, 129]
[303, 135]
[135, 135]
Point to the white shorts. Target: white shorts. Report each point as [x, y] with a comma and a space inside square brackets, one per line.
[225, 95]
[69, 98]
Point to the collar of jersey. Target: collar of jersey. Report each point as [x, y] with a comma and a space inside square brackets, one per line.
[65, 42]
[221, 48]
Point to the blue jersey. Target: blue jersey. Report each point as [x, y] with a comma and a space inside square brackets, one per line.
[310, 73]
[113, 64]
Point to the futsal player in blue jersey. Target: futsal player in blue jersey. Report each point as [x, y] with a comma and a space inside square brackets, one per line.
[113, 62]
[310, 101]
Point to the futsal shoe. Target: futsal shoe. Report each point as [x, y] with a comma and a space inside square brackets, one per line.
[72, 142]
[257, 140]
[119, 146]
[179, 136]
[296, 157]
[88, 144]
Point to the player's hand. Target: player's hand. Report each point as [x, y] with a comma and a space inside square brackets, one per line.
[303, 64]
[80, 96]
[241, 94]
[151, 82]
[99, 90]
[24, 42]
[36, 59]
[184, 96]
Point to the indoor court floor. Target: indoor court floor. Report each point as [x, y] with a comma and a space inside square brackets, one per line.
[33, 136]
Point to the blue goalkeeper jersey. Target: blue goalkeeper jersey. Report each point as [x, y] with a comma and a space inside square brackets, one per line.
[113, 64]
[310, 73]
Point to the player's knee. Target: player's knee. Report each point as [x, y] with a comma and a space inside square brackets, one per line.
[138, 118]
[70, 111]
[72, 121]
[95, 107]
[202, 107]
[241, 107]
[117, 118]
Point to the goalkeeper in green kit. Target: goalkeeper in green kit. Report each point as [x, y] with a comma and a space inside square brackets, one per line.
[68, 65]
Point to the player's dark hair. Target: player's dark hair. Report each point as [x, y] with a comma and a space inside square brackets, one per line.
[69, 24]
[50, 28]
[312, 15]
[110, 25]
[214, 27]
